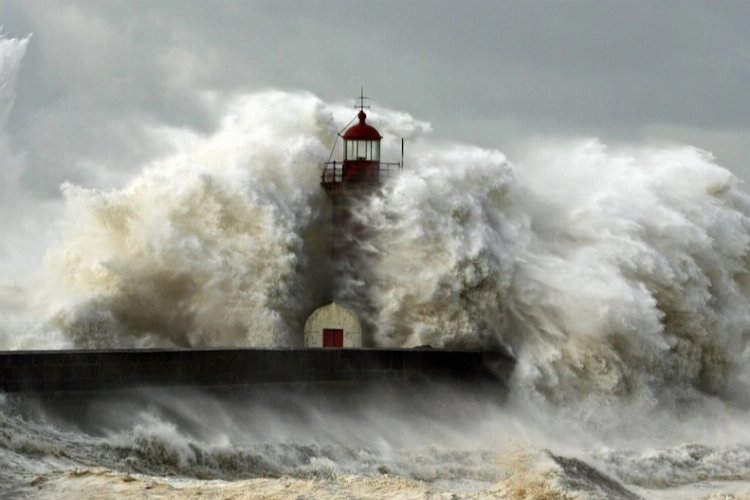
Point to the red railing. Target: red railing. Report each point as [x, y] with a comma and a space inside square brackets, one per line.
[333, 172]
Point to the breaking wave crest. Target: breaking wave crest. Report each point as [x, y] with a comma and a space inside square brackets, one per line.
[620, 273]
[203, 249]
[152, 440]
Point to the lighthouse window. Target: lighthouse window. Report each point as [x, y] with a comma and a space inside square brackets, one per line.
[363, 150]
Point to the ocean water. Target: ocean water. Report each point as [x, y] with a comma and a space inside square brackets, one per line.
[618, 278]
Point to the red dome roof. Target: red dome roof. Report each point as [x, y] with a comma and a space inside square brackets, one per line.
[362, 131]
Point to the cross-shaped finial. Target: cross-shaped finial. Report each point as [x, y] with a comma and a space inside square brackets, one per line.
[362, 99]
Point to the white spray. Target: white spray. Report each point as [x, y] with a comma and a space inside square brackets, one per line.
[204, 248]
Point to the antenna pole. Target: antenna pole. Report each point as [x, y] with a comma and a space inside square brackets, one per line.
[402, 154]
[362, 100]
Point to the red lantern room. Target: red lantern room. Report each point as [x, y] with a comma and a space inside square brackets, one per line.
[360, 166]
[361, 152]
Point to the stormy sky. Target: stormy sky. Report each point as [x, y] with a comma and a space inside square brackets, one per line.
[97, 76]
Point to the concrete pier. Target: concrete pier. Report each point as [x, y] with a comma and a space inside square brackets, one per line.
[101, 370]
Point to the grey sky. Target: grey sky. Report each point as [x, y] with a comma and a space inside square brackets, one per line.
[498, 74]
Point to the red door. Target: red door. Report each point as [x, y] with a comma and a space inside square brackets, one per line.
[333, 337]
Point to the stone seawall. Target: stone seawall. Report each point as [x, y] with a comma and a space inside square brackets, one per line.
[97, 370]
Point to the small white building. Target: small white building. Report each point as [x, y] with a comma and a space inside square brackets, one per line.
[333, 325]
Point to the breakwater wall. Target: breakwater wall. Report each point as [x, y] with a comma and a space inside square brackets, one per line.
[97, 370]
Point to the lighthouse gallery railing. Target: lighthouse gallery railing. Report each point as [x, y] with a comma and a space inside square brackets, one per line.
[333, 172]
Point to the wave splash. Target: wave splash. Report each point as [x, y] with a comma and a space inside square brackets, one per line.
[614, 272]
[203, 249]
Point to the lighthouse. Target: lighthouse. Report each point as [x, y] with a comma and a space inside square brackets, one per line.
[360, 170]
[358, 174]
